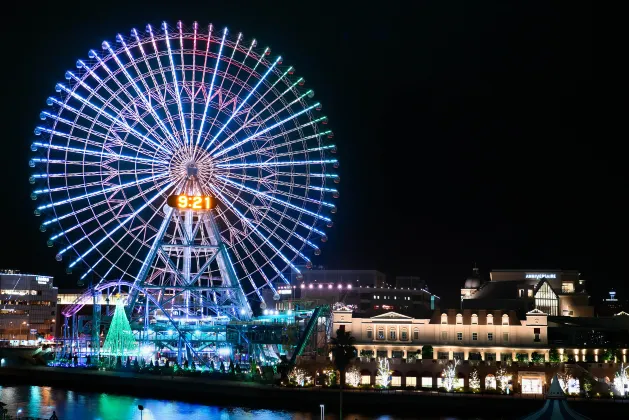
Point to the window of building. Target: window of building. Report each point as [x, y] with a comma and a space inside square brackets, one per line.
[415, 335]
[490, 336]
[536, 333]
[490, 319]
[444, 318]
[443, 355]
[474, 336]
[459, 318]
[505, 337]
[392, 334]
[382, 354]
[546, 300]
[567, 287]
[505, 319]
[365, 379]
[459, 336]
[404, 335]
[490, 357]
[457, 355]
[474, 319]
[370, 334]
[444, 335]
[411, 381]
[397, 354]
[529, 293]
[521, 292]
[426, 381]
[396, 381]
[380, 334]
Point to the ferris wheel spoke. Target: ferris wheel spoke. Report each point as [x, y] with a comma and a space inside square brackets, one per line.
[209, 94]
[261, 219]
[176, 83]
[117, 245]
[276, 182]
[87, 235]
[144, 98]
[124, 222]
[251, 226]
[272, 164]
[132, 100]
[266, 130]
[161, 99]
[87, 152]
[115, 141]
[275, 199]
[274, 146]
[248, 119]
[115, 120]
[244, 101]
[105, 190]
[220, 88]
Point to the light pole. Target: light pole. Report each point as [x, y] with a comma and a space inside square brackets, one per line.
[141, 408]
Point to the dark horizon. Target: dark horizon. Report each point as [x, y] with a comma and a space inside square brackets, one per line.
[465, 133]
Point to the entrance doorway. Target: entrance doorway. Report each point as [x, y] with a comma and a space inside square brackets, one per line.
[531, 386]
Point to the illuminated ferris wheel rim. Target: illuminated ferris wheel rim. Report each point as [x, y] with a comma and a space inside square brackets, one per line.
[133, 119]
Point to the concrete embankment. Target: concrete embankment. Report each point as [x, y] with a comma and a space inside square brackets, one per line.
[243, 394]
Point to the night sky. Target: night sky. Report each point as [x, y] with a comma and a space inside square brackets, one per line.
[465, 131]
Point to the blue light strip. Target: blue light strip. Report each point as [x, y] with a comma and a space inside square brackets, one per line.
[222, 152]
[290, 88]
[88, 151]
[115, 187]
[110, 117]
[124, 222]
[275, 164]
[270, 69]
[209, 95]
[272, 198]
[265, 240]
[175, 82]
[135, 86]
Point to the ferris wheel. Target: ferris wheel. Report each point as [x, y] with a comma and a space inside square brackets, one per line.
[177, 111]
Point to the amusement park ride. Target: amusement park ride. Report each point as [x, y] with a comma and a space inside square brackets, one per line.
[187, 169]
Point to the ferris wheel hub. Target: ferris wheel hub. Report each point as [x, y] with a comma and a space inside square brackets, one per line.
[192, 162]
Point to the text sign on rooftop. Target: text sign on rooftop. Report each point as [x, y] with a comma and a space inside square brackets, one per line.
[541, 276]
[42, 279]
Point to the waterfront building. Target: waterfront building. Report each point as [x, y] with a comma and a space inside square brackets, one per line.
[554, 292]
[482, 339]
[364, 291]
[612, 305]
[28, 306]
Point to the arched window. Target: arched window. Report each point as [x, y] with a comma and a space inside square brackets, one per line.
[459, 318]
[381, 333]
[444, 318]
[404, 334]
[474, 319]
[505, 319]
[416, 334]
[490, 382]
[490, 319]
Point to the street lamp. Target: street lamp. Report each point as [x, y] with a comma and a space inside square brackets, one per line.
[19, 411]
[141, 408]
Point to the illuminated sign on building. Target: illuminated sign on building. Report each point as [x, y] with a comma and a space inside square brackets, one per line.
[42, 279]
[541, 275]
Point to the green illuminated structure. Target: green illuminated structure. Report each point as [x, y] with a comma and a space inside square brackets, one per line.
[120, 340]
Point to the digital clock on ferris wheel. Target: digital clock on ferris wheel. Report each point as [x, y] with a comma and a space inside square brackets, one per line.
[191, 202]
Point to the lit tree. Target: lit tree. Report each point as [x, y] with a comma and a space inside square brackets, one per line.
[299, 376]
[474, 381]
[621, 380]
[352, 377]
[564, 380]
[384, 374]
[503, 378]
[449, 375]
[490, 382]
[120, 340]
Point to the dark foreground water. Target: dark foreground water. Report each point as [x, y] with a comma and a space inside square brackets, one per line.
[40, 401]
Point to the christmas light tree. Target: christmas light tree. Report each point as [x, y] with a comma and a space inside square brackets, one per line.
[474, 381]
[120, 340]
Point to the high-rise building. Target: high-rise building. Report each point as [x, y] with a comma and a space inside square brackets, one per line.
[28, 305]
